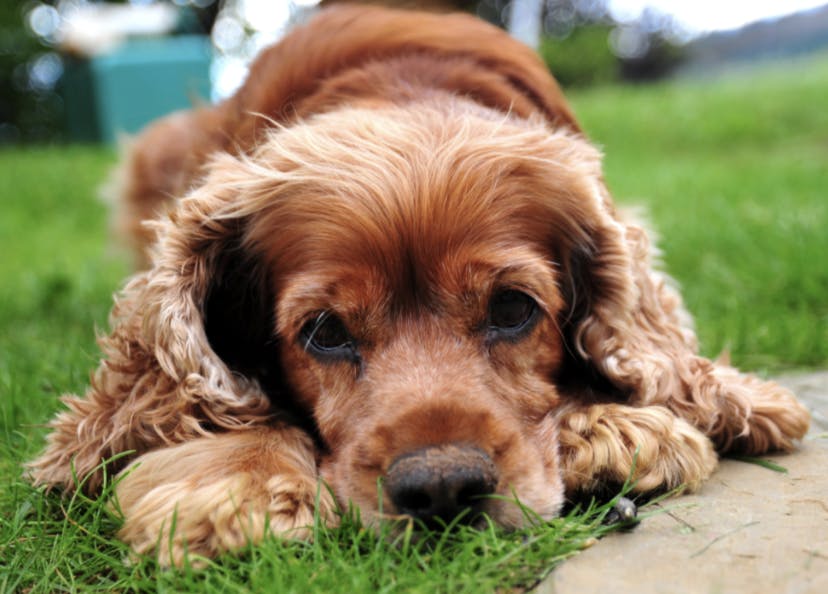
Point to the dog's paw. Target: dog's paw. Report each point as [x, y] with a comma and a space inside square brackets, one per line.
[607, 444]
[181, 518]
[759, 416]
[211, 495]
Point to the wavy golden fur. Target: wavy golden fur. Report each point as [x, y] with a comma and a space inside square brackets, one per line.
[391, 255]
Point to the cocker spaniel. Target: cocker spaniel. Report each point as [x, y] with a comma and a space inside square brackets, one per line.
[390, 259]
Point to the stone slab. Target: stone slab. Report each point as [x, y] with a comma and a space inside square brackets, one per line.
[749, 530]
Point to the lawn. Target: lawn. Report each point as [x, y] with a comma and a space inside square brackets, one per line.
[732, 170]
[734, 173]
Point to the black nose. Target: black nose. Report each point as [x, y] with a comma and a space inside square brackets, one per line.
[436, 484]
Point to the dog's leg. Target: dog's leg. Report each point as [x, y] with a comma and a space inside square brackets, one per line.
[215, 494]
[605, 444]
[740, 412]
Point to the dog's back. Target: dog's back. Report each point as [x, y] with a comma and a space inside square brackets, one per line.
[370, 56]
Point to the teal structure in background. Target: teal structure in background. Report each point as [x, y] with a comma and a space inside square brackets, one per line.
[139, 81]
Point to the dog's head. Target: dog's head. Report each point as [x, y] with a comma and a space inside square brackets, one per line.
[413, 284]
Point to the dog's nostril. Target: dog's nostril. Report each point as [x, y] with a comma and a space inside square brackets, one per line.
[471, 494]
[412, 499]
[441, 482]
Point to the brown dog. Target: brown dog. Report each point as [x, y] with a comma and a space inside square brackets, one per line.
[391, 257]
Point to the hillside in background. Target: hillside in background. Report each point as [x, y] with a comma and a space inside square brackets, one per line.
[793, 35]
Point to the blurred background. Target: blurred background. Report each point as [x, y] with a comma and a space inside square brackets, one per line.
[84, 71]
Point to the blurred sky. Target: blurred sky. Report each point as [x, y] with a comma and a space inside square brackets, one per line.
[699, 16]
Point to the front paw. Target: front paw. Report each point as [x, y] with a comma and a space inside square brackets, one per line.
[184, 518]
[219, 493]
[609, 444]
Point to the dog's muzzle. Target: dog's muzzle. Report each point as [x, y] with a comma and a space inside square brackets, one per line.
[437, 484]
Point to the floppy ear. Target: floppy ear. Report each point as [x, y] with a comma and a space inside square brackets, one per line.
[631, 340]
[619, 317]
[187, 342]
[600, 287]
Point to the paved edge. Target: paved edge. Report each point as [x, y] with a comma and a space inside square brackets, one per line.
[749, 529]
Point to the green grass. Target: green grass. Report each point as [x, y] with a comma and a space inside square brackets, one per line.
[51, 545]
[732, 170]
[734, 173]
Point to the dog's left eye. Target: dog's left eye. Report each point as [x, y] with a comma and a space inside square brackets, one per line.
[511, 312]
[326, 336]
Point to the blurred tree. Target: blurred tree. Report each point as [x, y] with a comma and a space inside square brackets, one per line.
[29, 108]
[32, 65]
[584, 45]
[582, 58]
[438, 5]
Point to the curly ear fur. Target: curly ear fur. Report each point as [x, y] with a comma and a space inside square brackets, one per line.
[162, 380]
[627, 325]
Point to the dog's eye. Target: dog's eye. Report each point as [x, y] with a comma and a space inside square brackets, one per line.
[326, 336]
[510, 312]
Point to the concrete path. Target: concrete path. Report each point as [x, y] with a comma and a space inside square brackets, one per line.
[749, 530]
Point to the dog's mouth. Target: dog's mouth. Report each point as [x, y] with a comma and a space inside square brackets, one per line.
[442, 485]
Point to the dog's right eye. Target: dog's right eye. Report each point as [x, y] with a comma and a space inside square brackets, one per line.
[326, 337]
[511, 313]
